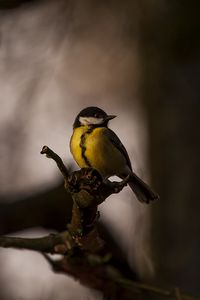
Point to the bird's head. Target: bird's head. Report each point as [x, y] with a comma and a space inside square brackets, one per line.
[92, 116]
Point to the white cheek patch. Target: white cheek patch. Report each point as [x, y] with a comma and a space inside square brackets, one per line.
[90, 121]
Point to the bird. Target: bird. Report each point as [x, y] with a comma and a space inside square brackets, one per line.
[94, 145]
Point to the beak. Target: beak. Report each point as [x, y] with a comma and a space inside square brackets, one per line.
[110, 117]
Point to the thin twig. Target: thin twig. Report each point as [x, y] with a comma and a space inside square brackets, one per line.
[48, 244]
[51, 154]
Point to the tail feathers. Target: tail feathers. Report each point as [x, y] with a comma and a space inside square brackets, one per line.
[142, 191]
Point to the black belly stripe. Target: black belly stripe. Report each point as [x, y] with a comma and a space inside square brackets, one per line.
[82, 145]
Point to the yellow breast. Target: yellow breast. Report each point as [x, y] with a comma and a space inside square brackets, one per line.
[75, 145]
[98, 150]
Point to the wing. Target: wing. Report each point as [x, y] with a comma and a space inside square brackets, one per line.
[118, 144]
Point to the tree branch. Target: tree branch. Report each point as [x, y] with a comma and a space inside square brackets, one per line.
[85, 253]
[61, 243]
[48, 244]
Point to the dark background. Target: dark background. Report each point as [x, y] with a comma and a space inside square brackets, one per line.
[137, 59]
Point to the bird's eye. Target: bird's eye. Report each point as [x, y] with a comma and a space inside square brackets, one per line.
[96, 115]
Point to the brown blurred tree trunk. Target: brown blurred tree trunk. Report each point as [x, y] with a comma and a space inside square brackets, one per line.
[170, 91]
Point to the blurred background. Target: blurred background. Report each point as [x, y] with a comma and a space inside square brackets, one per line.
[136, 59]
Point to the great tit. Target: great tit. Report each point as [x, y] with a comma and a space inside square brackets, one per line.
[94, 145]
